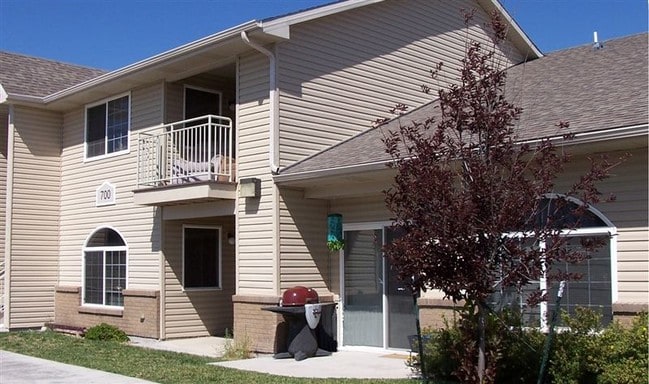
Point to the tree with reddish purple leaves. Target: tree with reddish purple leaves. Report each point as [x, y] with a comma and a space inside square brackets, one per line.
[468, 198]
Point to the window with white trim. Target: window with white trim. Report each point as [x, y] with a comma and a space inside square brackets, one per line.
[104, 259]
[594, 290]
[201, 257]
[107, 127]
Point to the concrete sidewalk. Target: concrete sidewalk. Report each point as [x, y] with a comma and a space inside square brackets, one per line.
[209, 346]
[21, 369]
[343, 364]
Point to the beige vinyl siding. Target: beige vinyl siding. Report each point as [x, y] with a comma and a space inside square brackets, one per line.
[339, 73]
[35, 216]
[199, 312]
[629, 215]
[362, 209]
[304, 257]
[256, 218]
[139, 225]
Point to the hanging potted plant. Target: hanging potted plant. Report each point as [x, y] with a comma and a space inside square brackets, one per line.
[335, 240]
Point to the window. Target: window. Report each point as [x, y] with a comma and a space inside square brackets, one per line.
[201, 257]
[107, 126]
[595, 290]
[104, 258]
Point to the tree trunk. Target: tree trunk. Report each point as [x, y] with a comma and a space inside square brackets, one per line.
[481, 342]
[420, 345]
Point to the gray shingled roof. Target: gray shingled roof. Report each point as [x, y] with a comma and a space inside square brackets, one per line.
[32, 76]
[592, 89]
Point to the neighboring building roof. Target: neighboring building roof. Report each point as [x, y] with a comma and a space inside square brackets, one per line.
[31, 76]
[595, 90]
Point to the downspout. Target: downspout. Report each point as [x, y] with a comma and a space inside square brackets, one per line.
[274, 104]
[9, 217]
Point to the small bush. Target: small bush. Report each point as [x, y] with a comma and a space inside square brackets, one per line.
[236, 350]
[439, 362]
[589, 354]
[106, 332]
[584, 353]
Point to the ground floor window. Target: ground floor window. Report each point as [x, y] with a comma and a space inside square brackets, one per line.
[104, 259]
[201, 257]
[596, 288]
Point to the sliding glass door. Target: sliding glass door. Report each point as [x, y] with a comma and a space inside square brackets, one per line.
[378, 310]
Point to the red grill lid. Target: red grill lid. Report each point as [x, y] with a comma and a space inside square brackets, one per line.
[298, 296]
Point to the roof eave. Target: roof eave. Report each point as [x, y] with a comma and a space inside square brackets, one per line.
[18, 99]
[336, 171]
[579, 138]
[3, 94]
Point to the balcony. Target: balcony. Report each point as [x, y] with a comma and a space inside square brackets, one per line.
[186, 161]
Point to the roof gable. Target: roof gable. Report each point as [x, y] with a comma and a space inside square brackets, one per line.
[31, 76]
[594, 90]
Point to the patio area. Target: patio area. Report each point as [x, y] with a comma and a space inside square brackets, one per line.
[342, 364]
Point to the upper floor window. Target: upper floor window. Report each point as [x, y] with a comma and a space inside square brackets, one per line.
[104, 259]
[107, 127]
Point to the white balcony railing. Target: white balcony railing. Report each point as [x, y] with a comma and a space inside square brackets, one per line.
[188, 151]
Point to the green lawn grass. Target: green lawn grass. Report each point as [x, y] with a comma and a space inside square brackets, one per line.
[153, 365]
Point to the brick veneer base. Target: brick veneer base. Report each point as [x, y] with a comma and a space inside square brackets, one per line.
[433, 312]
[140, 316]
[625, 313]
[260, 328]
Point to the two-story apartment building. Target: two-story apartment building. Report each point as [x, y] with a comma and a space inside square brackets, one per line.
[179, 195]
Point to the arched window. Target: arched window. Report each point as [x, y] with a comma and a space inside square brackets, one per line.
[104, 268]
[595, 290]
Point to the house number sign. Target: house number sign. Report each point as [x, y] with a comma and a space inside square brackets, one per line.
[105, 194]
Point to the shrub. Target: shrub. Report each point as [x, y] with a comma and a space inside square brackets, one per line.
[439, 363]
[588, 354]
[583, 353]
[623, 358]
[106, 332]
[518, 350]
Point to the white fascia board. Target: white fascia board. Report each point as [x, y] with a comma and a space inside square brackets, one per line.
[14, 98]
[154, 60]
[338, 171]
[3, 94]
[281, 26]
[580, 138]
[595, 136]
[17, 98]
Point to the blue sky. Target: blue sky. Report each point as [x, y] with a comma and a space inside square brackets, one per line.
[110, 34]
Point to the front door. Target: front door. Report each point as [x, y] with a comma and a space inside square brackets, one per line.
[378, 310]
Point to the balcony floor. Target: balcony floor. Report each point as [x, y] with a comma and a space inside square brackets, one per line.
[175, 194]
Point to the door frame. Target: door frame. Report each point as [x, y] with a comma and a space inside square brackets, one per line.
[367, 226]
